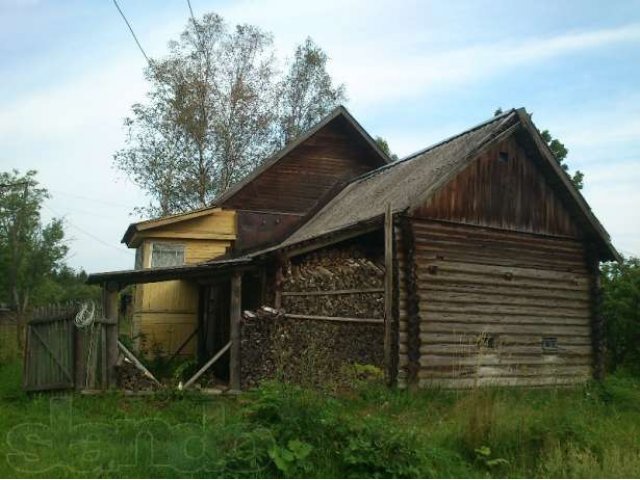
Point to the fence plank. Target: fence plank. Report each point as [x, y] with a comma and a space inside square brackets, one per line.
[53, 355]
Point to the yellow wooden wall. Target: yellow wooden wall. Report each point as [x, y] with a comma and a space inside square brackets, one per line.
[165, 313]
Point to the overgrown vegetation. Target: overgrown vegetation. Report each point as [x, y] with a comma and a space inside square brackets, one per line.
[285, 431]
[32, 252]
[621, 309]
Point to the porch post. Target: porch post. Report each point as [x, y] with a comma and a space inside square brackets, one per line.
[235, 313]
[110, 310]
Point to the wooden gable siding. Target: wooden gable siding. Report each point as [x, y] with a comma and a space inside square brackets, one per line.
[299, 180]
[219, 225]
[503, 188]
[263, 228]
[486, 300]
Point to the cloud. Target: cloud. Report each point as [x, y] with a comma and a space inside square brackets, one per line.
[68, 132]
[394, 75]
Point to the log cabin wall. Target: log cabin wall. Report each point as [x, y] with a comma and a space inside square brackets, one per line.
[500, 308]
[503, 288]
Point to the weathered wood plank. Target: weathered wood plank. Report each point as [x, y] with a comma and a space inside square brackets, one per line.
[447, 361]
[110, 309]
[334, 319]
[466, 350]
[504, 339]
[505, 290]
[497, 328]
[235, 314]
[334, 292]
[516, 381]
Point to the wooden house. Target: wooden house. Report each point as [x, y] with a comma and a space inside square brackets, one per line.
[472, 262]
[260, 210]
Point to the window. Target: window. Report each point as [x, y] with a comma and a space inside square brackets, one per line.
[486, 341]
[549, 344]
[167, 255]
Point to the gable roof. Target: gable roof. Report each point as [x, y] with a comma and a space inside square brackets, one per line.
[409, 182]
[399, 183]
[133, 228]
[338, 112]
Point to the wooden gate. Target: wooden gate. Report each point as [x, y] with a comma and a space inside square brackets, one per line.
[59, 355]
[49, 351]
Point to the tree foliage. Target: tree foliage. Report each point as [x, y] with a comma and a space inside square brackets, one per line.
[621, 310]
[29, 250]
[306, 93]
[216, 108]
[560, 153]
[384, 146]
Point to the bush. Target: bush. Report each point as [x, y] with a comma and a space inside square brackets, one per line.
[621, 309]
[313, 433]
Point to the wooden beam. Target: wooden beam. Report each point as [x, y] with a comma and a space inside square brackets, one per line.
[334, 292]
[205, 367]
[110, 310]
[191, 236]
[184, 344]
[388, 293]
[331, 239]
[235, 316]
[334, 319]
[137, 362]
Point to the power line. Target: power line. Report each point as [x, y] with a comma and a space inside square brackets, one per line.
[91, 199]
[191, 11]
[80, 229]
[133, 34]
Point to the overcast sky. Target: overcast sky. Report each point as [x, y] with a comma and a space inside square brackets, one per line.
[415, 72]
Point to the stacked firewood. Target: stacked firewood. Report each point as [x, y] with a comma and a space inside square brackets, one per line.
[310, 352]
[261, 338]
[130, 377]
[347, 275]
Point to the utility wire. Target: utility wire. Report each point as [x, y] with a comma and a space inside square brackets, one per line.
[133, 34]
[191, 11]
[96, 238]
[91, 199]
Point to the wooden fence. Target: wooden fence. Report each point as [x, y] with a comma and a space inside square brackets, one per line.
[60, 355]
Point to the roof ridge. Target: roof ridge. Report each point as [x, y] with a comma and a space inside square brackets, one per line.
[412, 156]
[337, 111]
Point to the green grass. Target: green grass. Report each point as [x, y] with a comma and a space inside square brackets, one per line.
[282, 430]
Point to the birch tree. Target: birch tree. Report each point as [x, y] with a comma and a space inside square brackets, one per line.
[216, 108]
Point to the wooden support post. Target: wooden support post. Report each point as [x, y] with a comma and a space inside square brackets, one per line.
[110, 310]
[277, 301]
[235, 313]
[388, 294]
